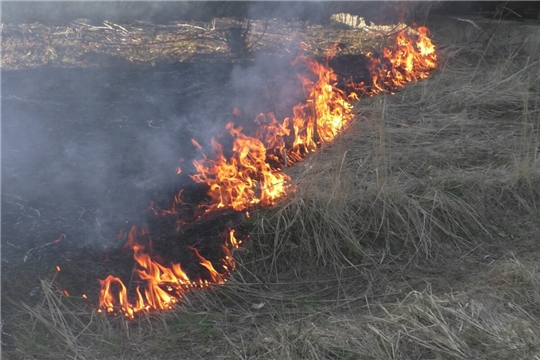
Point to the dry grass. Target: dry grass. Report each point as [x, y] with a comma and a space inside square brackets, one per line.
[412, 236]
[424, 173]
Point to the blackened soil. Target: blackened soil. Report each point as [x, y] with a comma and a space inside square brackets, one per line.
[86, 150]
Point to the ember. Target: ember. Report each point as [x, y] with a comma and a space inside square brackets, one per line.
[252, 175]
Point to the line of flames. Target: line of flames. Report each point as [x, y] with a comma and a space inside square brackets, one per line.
[247, 178]
[163, 285]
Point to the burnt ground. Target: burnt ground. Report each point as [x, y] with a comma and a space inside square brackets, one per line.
[92, 134]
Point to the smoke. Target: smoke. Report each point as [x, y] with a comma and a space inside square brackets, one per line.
[64, 12]
[269, 84]
[89, 149]
[312, 11]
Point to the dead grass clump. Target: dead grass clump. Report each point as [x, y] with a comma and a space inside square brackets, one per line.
[456, 326]
[520, 282]
[418, 326]
[491, 87]
[359, 226]
[67, 328]
[60, 325]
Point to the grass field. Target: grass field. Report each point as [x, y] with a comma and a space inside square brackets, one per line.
[414, 235]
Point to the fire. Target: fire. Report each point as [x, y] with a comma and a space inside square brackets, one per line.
[331, 110]
[253, 174]
[162, 286]
[244, 180]
[247, 178]
[62, 237]
[406, 61]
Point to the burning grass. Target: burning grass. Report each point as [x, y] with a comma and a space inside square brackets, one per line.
[412, 235]
[253, 173]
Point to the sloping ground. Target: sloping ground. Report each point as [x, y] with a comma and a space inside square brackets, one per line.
[414, 235]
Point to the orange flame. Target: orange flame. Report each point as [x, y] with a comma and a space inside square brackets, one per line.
[252, 175]
[247, 178]
[407, 60]
[62, 237]
[237, 112]
[243, 180]
[163, 285]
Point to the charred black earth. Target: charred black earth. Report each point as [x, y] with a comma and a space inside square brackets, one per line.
[86, 150]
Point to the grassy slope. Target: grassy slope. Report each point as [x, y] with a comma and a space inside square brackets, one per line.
[412, 236]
